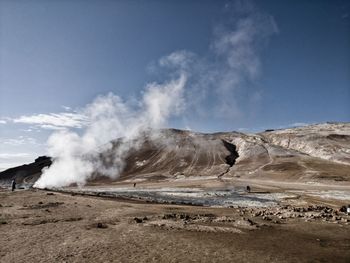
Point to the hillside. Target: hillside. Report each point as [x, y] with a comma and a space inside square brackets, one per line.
[304, 154]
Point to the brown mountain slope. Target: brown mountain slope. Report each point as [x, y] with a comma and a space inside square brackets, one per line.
[305, 154]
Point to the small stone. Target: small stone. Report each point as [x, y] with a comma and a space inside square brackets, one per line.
[257, 214]
[138, 220]
[101, 225]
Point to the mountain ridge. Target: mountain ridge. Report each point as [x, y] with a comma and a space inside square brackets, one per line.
[318, 152]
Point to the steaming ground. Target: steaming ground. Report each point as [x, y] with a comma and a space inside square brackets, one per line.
[310, 158]
[311, 154]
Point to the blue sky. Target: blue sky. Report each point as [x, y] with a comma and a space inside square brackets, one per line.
[57, 56]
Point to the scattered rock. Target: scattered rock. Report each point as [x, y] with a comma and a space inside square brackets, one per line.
[101, 225]
[250, 222]
[257, 213]
[41, 205]
[138, 220]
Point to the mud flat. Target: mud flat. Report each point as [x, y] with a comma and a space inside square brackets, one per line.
[185, 196]
[42, 226]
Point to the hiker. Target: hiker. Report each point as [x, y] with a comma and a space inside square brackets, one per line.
[134, 184]
[13, 184]
[248, 188]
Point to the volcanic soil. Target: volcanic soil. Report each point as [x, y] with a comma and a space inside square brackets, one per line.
[43, 226]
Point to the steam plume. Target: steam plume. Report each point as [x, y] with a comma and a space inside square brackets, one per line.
[109, 117]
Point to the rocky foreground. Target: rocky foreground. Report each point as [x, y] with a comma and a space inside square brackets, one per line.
[40, 226]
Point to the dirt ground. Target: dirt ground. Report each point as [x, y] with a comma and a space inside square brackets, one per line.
[40, 226]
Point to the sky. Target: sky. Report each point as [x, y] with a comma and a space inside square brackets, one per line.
[248, 65]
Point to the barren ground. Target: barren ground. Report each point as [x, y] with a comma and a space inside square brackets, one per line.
[41, 226]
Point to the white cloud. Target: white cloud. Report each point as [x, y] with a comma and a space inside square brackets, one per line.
[55, 121]
[67, 108]
[20, 140]
[298, 124]
[8, 156]
[3, 122]
[52, 127]
[238, 48]
[179, 59]
[8, 160]
[232, 64]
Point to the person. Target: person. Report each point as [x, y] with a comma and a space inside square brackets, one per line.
[13, 184]
[134, 184]
[248, 188]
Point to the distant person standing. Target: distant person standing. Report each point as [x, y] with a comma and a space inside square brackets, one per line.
[13, 185]
[248, 188]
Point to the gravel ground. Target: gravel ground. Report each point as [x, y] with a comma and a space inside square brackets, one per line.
[41, 226]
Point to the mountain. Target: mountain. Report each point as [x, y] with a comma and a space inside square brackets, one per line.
[27, 173]
[313, 153]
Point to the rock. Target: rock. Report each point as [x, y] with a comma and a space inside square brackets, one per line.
[345, 209]
[250, 222]
[138, 220]
[185, 217]
[257, 214]
[101, 225]
[169, 216]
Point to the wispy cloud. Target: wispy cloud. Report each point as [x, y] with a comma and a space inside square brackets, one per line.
[298, 124]
[9, 156]
[20, 140]
[3, 122]
[8, 160]
[231, 65]
[67, 108]
[180, 59]
[54, 121]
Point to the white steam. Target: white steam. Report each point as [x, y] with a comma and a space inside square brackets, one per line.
[76, 156]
